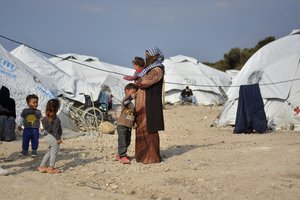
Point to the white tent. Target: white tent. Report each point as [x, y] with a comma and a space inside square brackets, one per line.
[182, 71]
[277, 70]
[69, 85]
[93, 70]
[232, 73]
[21, 80]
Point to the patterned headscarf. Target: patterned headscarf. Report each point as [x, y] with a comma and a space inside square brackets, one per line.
[153, 51]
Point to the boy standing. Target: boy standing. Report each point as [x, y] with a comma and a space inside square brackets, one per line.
[125, 123]
[30, 119]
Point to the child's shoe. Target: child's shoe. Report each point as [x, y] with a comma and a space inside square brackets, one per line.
[23, 153]
[125, 160]
[52, 170]
[33, 153]
[118, 157]
[42, 169]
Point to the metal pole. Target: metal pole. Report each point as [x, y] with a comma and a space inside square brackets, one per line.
[96, 120]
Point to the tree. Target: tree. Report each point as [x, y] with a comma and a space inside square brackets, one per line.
[236, 58]
[265, 41]
[245, 55]
[233, 58]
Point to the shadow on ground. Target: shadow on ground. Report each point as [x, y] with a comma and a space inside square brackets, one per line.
[182, 149]
[72, 157]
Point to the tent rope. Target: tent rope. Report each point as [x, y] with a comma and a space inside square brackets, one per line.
[121, 74]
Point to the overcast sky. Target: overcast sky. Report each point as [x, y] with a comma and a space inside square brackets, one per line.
[117, 30]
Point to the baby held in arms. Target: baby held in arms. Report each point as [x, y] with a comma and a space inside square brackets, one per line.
[138, 65]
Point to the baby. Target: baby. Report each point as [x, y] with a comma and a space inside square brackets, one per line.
[138, 64]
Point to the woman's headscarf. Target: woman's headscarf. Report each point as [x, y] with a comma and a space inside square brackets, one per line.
[4, 93]
[156, 56]
[8, 104]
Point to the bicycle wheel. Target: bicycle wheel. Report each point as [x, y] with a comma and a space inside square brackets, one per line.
[76, 118]
[92, 116]
[81, 107]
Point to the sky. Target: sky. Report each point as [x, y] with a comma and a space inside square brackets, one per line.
[116, 31]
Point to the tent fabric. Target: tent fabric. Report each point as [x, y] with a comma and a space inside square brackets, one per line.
[296, 31]
[250, 114]
[66, 122]
[232, 73]
[21, 80]
[89, 68]
[182, 71]
[94, 71]
[275, 67]
[70, 86]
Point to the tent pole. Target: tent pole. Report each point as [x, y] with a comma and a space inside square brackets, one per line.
[96, 120]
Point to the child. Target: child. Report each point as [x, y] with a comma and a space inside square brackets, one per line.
[125, 122]
[53, 130]
[30, 119]
[138, 64]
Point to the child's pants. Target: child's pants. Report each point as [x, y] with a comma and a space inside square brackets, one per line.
[51, 152]
[124, 138]
[30, 134]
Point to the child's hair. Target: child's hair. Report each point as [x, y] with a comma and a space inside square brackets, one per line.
[52, 108]
[138, 61]
[131, 86]
[31, 96]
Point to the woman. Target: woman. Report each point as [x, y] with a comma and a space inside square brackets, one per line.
[149, 109]
[7, 115]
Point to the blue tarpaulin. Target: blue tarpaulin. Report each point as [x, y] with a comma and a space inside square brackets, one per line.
[250, 114]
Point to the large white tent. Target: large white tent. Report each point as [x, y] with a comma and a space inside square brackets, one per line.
[91, 69]
[207, 83]
[277, 70]
[21, 80]
[232, 73]
[69, 85]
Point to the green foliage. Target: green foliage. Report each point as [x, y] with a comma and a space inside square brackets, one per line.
[236, 57]
[265, 41]
[220, 65]
[233, 58]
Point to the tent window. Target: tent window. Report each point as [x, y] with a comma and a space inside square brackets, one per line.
[89, 60]
[70, 57]
[295, 32]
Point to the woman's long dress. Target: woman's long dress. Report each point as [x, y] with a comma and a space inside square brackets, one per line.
[147, 148]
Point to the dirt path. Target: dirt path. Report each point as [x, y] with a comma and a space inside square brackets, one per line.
[200, 162]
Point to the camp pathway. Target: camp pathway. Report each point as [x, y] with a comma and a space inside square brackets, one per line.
[200, 162]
